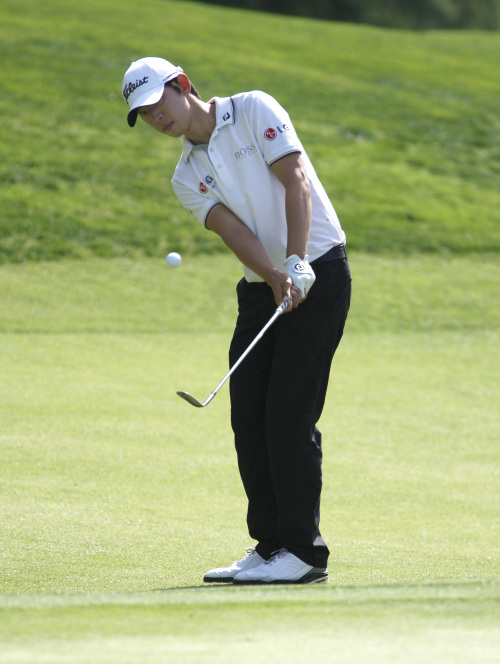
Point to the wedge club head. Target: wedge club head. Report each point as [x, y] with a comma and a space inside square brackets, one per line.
[194, 402]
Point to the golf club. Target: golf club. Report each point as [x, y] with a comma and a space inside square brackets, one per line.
[194, 402]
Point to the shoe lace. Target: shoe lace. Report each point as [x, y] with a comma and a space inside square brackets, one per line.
[249, 550]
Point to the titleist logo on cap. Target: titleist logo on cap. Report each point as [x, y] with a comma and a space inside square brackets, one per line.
[130, 87]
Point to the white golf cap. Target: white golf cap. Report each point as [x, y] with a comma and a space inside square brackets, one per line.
[144, 82]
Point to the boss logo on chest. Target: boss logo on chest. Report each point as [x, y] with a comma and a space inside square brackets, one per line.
[245, 152]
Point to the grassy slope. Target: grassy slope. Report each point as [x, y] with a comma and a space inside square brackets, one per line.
[403, 127]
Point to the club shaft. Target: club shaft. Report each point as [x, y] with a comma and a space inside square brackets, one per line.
[194, 402]
[277, 313]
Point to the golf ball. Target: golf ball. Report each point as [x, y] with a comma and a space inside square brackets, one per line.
[173, 259]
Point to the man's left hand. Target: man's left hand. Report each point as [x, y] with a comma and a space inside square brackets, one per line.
[301, 273]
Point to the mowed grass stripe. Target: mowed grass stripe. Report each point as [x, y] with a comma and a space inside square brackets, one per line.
[390, 294]
[445, 622]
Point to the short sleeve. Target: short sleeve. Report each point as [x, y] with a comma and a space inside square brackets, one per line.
[196, 197]
[272, 127]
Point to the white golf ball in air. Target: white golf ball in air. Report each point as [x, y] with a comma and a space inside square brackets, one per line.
[173, 259]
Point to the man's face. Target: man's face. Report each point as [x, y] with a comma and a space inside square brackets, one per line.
[170, 115]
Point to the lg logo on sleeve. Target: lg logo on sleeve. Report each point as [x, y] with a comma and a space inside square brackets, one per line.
[271, 133]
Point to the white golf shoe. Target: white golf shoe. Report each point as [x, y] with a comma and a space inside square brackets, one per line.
[283, 567]
[227, 574]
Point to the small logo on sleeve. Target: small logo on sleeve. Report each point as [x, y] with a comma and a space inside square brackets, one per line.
[271, 133]
[203, 188]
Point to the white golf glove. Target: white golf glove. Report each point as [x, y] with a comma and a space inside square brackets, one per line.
[301, 273]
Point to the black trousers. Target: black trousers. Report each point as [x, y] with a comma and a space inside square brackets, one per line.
[277, 397]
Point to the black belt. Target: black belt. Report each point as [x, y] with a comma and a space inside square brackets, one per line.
[333, 254]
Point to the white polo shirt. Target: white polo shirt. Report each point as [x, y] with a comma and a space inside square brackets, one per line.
[252, 132]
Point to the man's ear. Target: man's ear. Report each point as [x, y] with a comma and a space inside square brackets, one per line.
[184, 83]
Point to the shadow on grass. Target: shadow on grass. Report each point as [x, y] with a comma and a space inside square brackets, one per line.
[443, 590]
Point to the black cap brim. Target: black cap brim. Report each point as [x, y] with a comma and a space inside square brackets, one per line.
[132, 117]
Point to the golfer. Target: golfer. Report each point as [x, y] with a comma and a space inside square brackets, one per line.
[245, 176]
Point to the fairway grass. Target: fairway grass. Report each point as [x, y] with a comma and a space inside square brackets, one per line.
[402, 623]
[116, 496]
[110, 481]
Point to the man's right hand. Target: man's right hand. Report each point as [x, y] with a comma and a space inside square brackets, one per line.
[283, 289]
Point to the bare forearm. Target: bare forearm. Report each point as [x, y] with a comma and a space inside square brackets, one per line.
[249, 250]
[243, 243]
[291, 173]
[298, 215]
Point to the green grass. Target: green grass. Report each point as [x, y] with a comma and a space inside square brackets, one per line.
[404, 624]
[115, 495]
[111, 481]
[403, 127]
[418, 294]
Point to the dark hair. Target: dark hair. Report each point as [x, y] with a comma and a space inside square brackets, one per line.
[175, 85]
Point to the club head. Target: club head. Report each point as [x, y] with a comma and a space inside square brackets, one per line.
[190, 399]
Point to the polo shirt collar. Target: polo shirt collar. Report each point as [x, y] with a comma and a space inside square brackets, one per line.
[224, 112]
[224, 115]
